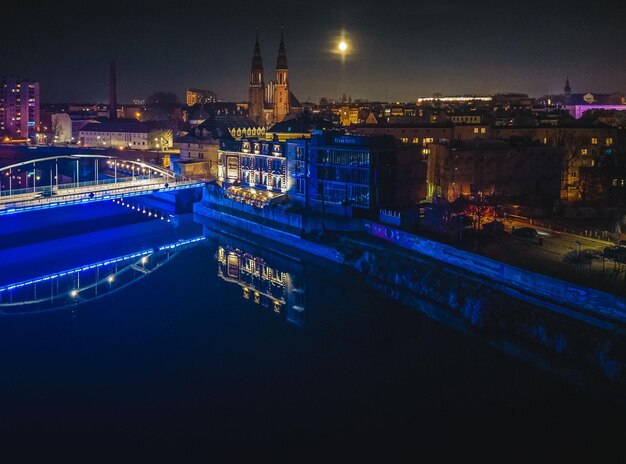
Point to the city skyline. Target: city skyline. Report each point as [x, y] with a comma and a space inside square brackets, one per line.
[399, 54]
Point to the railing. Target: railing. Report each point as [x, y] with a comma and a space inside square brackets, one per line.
[70, 196]
[57, 189]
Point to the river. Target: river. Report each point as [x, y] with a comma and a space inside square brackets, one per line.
[165, 337]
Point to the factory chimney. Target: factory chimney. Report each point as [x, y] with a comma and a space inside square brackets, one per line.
[112, 92]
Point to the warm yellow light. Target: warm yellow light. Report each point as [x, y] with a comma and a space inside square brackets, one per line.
[343, 46]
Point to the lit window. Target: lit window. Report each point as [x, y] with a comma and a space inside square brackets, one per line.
[426, 151]
[416, 140]
[545, 140]
[583, 151]
[594, 141]
[405, 140]
[609, 141]
[475, 130]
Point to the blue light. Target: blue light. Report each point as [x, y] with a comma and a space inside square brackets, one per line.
[137, 254]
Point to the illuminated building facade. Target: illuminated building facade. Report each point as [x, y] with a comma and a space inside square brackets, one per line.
[253, 171]
[356, 172]
[19, 108]
[200, 96]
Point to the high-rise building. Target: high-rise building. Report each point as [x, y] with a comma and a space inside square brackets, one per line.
[200, 96]
[19, 107]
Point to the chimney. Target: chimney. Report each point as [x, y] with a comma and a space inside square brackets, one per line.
[112, 92]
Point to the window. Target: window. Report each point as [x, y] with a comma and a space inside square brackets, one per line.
[416, 140]
[426, 151]
[428, 140]
[405, 140]
[584, 151]
[483, 130]
[545, 140]
[609, 141]
[594, 141]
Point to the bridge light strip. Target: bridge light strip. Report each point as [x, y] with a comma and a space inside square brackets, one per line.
[25, 209]
[181, 243]
[138, 254]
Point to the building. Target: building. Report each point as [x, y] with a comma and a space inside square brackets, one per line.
[125, 133]
[199, 113]
[529, 173]
[200, 97]
[199, 147]
[583, 146]
[300, 126]
[19, 108]
[349, 115]
[357, 173]
[253, 171]
[267, 109]
[578, 103]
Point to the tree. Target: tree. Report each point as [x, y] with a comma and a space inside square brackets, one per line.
[161, 106]
[57, 129]
[572, 146]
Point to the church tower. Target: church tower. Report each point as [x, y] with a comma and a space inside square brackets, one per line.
[281, 89]
[567, 90]
[256, 94]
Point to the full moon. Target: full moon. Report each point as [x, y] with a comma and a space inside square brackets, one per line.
[343, 46]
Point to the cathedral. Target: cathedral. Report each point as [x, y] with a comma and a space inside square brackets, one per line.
[271, 103]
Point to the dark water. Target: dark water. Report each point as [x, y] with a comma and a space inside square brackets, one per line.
[223, 347]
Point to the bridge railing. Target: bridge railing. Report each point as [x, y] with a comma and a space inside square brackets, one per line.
[47, 189]
[90, 194]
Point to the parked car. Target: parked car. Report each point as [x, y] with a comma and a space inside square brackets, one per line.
[494, 227]
[527, 234]
[616, 253]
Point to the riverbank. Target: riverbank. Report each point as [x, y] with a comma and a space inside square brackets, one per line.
[583, 350]
[361, 250]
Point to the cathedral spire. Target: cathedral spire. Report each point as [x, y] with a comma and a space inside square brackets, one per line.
[257, 61]
[281, 63]
[567, 89]
[256, 92]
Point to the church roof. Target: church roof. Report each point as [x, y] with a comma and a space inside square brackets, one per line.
[293, 101]
[595, 99]
[117, 125]
[218, 126]
[302, 124]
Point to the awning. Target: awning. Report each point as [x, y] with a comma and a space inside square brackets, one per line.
[254, 197]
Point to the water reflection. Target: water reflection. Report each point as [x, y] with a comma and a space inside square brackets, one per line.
[79, 285]
[583, 351]
[277, 284]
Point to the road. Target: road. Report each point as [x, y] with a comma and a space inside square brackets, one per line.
[548, 258]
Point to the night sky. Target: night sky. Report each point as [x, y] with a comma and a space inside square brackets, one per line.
[400, 50]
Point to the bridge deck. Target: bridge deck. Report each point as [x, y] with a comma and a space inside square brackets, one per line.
[51, 197]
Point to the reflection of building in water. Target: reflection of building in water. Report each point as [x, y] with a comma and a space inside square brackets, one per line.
[264, 283]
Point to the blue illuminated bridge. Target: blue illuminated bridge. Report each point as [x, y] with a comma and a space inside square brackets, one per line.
[66, 180]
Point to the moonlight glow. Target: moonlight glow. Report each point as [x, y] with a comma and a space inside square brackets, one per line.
[343, 46]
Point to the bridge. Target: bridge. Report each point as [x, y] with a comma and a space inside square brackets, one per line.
[67, 180]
